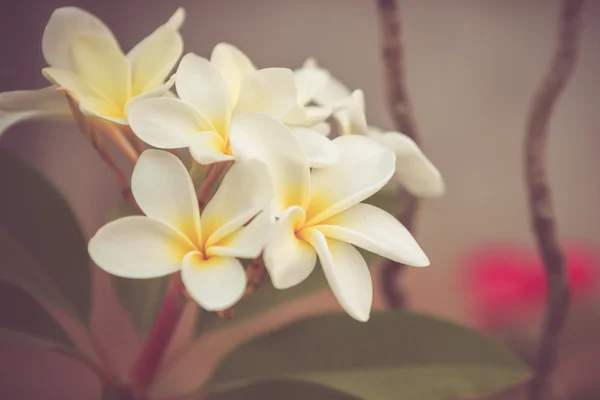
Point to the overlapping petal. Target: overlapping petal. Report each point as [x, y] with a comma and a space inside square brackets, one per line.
[138, 247]
[288, 259]
[245, 190]
[271, 91]
[377, 231]
[166, 123]
[319, 150]
[346, 271]
[233, 64]
[201, 85]
[209, 147]
[258, 136]
[309, 81]
[364, 168]
[216, 283]
[164, 191]
[246, 242]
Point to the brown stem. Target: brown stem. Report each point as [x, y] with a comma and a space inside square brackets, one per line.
[149, 360]
[401, 110]
[255, 272]
[540, 198]
[206, 188]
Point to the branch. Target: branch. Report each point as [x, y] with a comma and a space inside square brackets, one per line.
[402, 114]
[540, 198]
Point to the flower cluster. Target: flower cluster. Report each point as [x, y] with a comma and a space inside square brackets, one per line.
[289, 194]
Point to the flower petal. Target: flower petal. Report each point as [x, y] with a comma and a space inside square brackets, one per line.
[244, 191]
[159, 91]
[377, 231]
[200, 84]
[309, 81]
[257, 136]
[64, 25]
[351, 116]
[346, 271]
[25, 104]
[288, 259]
[99, 61]
[332, 94]
[364, 168]
[153, 58]
[166, 123]
[247, 242]
[320, 151]
[233, 64]
[323, 128]
[177, 19]
[216, 283]
[414, 171]
[138, 247]
[164, 191]
[271, 91]
[208, 147]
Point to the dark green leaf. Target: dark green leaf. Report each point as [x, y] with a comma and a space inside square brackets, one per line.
[42, 248]
[393, 356]
[141, 298]
[288, 390]
[264, 299]
[24, 321]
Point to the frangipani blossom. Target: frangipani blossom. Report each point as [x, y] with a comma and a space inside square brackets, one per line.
[174, 236]
[321, 215]
[213, 94]
[86, 59]
[414, 171]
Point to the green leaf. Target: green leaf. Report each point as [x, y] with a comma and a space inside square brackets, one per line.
[264, 299]
[24, 321]
[42, 248]
[288, 390]
[393, 356]
[141, 298]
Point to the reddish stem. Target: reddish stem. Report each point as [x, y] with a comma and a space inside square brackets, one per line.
[153, 352]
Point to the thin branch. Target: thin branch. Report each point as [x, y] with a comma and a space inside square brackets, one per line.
[540, 198]
[402, 114]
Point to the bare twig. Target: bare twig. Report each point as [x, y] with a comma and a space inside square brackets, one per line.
[402, 114]
[540, 198]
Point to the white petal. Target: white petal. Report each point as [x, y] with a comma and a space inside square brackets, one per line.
[91, 101]
[244, 191]
[233, 65]
[364, 168]
[153, 59]
[288, 259]
[414, 171]
[28, 104]
[216, 283]
[177, 19]
[247, 242]
[166, 123]
[346, 271]
[159, 91]
[164, 191]
[316, 115]
[138, 247]
[270, 91]
[305, 116]
[323, 128]
[258, 136]
[377, 231]
[319, 150]
[99, 61]
[64, 25]
[208, 147]
[351, 116]
[200, 84]
[332, 93]
[309, 81]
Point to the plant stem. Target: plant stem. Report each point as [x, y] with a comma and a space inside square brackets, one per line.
[153, 351]
[540, 197]
[401, 110]
[206, 188]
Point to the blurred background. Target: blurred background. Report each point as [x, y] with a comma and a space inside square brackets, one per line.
[472, 68]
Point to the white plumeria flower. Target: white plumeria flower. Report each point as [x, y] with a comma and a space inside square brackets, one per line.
[414, 171]
[174, 236]
[321, 215]
[85, 58]
[213, 94]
